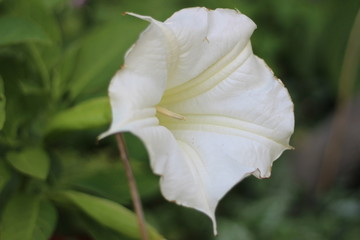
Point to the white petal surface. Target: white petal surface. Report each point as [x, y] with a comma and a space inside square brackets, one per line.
[138, 87]
[237, 123]
[203, 37]
[238, 116]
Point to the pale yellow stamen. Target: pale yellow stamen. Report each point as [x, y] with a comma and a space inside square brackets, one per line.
[169, 113]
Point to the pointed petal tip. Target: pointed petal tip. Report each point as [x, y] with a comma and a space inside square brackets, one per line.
[209, 213]
[146, 18]
[214, 226]
[212, 217]
[106, 134]
[102, 136]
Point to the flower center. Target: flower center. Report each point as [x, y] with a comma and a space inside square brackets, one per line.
[169, 113]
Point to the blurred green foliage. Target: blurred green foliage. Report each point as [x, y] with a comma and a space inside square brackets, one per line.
[56, 60]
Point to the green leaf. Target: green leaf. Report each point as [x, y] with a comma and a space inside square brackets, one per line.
[26, 217]
[88, 114]
[32, 161]
[4, 174]
[110, 214]
[17, 30]
[2, 104]
[94, 173]
[100, 232]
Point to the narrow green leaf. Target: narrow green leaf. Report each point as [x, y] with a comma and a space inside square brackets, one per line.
[32, 161]
[88, 114]
[2, 104]
[100, 232]
[26, 217]
[110, 214]
[4, 174]
[17, 30]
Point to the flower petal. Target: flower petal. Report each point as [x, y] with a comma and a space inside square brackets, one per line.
[138, 87]
[203, 37]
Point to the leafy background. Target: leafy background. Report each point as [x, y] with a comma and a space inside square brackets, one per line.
[57, 182]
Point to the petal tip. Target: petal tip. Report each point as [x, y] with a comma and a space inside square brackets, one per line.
[146, 18]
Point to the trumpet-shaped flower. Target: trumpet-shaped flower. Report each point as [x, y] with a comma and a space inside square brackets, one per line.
[208, 110]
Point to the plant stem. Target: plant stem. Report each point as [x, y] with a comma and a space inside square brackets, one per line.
[334, 150]
[350, 65]
[132, 185]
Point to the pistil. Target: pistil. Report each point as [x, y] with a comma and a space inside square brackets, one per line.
[169, 113]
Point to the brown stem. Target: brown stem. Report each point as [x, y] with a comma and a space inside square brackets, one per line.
[132, 185]
[333, 152]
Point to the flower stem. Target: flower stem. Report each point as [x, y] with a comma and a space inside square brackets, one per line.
[132, 185]
[333, 152]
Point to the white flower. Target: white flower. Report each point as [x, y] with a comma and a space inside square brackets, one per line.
[208, 110]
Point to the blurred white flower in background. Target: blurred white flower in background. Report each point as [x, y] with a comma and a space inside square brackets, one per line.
[208, 110]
